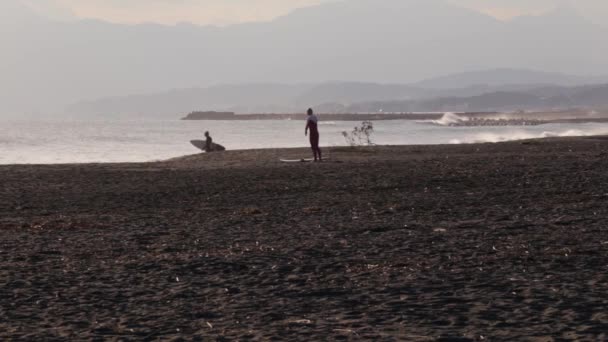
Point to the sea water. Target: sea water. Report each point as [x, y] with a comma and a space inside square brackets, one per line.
[48, 142]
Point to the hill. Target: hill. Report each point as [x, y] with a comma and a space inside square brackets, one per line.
[50, 63]
[342, 97]
[507, 76]
[590, 97]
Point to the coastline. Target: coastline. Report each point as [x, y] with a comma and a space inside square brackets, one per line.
[471, 119]
[505, 241]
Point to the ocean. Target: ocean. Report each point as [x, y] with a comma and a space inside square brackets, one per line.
[52, 142]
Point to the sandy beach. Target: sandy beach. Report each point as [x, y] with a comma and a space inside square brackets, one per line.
[489, 242]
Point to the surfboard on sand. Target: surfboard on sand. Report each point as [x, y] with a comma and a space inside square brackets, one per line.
[303, 160]
[200, 144]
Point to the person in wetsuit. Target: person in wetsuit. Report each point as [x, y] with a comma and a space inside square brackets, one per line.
[312, 124]
[208, 142]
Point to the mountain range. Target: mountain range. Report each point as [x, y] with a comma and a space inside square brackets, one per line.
[345, 97]
[48, 64]
[590, 98]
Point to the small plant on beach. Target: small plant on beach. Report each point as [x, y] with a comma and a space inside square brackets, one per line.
[360, 135]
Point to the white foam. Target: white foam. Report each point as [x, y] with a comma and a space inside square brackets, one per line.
[492, 137]
[449, 119]
[31, 141]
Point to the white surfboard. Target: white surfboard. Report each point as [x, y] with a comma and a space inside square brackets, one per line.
[307, 160]
[303, 160]
[200, 144]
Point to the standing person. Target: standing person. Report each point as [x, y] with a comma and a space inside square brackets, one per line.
[312, 123]
[208, 142]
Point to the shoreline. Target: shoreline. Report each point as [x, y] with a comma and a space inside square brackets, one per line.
[296, 152]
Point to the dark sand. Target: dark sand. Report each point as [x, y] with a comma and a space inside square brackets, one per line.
[494, 242]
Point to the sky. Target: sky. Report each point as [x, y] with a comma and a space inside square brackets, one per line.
[62, 64]
[225, 12]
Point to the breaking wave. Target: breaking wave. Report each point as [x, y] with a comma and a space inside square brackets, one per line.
[488, 137]
[449, 119]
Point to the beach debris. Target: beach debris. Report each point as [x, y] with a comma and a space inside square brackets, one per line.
[300, 322]
[440, 230]
[310, 210]
[232, 290]
[209, 325]
[251, 211]
[346, 331]
[293, 278]
[360, 135]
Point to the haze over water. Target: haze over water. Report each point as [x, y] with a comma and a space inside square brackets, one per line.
[116, 74]
[48, 142]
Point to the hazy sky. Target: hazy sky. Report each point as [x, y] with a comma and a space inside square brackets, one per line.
[222, 12]
[362, 40]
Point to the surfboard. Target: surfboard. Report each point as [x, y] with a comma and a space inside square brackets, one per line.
[303, 160]
[200, 144]
[307, 160]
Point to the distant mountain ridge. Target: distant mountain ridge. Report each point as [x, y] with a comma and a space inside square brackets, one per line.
[49, 64]
[507, 76]
[345, 97]
[581, 97]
